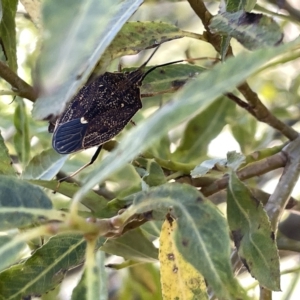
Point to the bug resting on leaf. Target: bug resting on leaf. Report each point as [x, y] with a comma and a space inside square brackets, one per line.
[100, 111]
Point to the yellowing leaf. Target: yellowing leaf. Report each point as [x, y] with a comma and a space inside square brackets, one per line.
[179, 279]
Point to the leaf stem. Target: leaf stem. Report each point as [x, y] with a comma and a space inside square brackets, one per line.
[174, 175]
[7, 93]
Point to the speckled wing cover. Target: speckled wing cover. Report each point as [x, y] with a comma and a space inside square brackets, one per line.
[98, 112]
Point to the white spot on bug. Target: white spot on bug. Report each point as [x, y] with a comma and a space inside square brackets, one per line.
[83, 120]
[122, 105]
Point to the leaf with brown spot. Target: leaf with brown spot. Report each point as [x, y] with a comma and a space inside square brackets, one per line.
[179, 279]
[253, 31]
[201, 233]
[185, 242]
[137, 36]
[252, 234]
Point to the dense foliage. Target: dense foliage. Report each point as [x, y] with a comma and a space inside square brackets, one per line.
[199, 181]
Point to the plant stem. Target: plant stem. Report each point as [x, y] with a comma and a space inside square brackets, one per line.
[290, 9]
[20, 87]
[261, 112]
[288, 179]
[265, 294]
[255, 169]
[8, 93]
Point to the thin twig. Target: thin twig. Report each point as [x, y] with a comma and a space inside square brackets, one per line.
[289, 8]
[241, 103]
[255, 169]
[7, 93]
[288, 179]
[19, 86]
[261, 112]
[285, 243]
[276, 14]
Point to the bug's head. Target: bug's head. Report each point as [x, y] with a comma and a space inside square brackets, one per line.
[137, 76]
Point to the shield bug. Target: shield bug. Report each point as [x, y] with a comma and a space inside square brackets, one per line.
[100, 111]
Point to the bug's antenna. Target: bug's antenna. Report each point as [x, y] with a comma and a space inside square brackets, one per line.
[146, 62]
[162, 65]
[137, 76]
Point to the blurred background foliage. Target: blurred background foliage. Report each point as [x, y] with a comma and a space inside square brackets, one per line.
[220, 128]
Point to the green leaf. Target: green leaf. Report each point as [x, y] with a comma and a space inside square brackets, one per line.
[85, 284]
[44, 270]
[45, 165]
[117, 204]
[22, 204]
[96, 203]
[252, 234]
[168, 78]
[209, 166]
[142, 282]
[235, 159]
[128, 247]
[69, 56]
[21, 138]
[10, 248]
[161, 148]
[218, 166]
[100, 260]
[191, 100]
[5, 161]
[137, 36]
[90, 284]
[235, 5]
[8, 32]
[253, 31]
[154, 173]
[53, 294]
[152, 228]
[225, 43]
[202, 232]
[202, 129]
[127, 181]
[243, 127]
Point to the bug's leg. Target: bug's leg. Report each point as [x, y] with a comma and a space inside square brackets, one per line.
[94, 157]
[51, 127]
